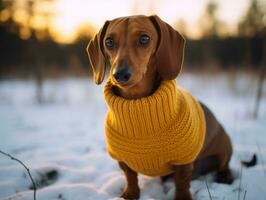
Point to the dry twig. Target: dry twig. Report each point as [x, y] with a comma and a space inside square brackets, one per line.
[240, 181]
[245, 195]
[208, 188]
[28, 170]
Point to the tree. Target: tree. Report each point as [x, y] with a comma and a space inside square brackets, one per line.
[253, 27]
[209, 22]
[181, 26]
[253, 23]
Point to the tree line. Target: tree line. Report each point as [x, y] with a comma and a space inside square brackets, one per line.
[26, 51]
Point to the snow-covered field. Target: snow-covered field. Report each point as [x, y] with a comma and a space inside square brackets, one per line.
[62, 141]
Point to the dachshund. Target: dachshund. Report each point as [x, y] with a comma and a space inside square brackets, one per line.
[141, 52]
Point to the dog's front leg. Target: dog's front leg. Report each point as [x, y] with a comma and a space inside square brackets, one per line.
[131, 190]
[182, 178]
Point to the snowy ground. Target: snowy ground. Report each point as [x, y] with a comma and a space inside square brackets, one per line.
[62, 141]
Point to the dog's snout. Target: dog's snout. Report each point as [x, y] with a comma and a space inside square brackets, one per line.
[122, 74]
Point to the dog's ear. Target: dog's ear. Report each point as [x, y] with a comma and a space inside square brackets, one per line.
[96, 55]
[170, 49]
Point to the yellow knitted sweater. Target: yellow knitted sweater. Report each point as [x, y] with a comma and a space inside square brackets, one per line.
[153, 133]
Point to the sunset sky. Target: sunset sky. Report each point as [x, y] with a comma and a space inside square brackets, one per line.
[72, 14]
[69, 15]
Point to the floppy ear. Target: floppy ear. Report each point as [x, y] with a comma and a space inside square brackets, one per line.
[96, 55]
[170, 49]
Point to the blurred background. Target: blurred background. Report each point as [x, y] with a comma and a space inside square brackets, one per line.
[46, 39]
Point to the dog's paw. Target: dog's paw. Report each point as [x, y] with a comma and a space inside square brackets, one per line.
[131, 193]
[183, 196]
[224, 177]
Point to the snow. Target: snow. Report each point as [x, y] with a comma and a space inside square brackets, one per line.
[63, 144]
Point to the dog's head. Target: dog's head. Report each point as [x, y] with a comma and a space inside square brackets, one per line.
[131, 46]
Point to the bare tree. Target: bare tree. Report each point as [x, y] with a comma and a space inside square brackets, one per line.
[181, 26]
[209, 22]
[252, 23]
[253, 27]
[259, 93]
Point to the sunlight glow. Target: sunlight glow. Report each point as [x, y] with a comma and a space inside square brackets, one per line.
[24, 33]
[4, 15]
[38, 22]
[21, 16]
[64, 18]
[71, 15]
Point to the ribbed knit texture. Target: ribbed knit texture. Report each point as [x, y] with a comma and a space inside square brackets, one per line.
[152, 133]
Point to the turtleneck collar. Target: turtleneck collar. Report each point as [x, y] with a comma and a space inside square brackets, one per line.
[128, 116]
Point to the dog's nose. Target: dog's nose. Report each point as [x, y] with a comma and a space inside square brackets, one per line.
[122, 74]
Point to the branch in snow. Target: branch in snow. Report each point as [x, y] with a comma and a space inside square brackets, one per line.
[28, 170]
[244, 198]
[208, 188]
[240, 182]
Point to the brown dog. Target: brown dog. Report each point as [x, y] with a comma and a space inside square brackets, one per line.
[142, 51]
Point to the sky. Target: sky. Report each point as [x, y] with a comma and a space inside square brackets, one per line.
[69, 15]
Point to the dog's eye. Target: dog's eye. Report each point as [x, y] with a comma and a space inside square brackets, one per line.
[109, 42]
[144, 39]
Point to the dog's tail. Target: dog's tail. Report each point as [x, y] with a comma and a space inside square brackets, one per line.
[251, 162]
